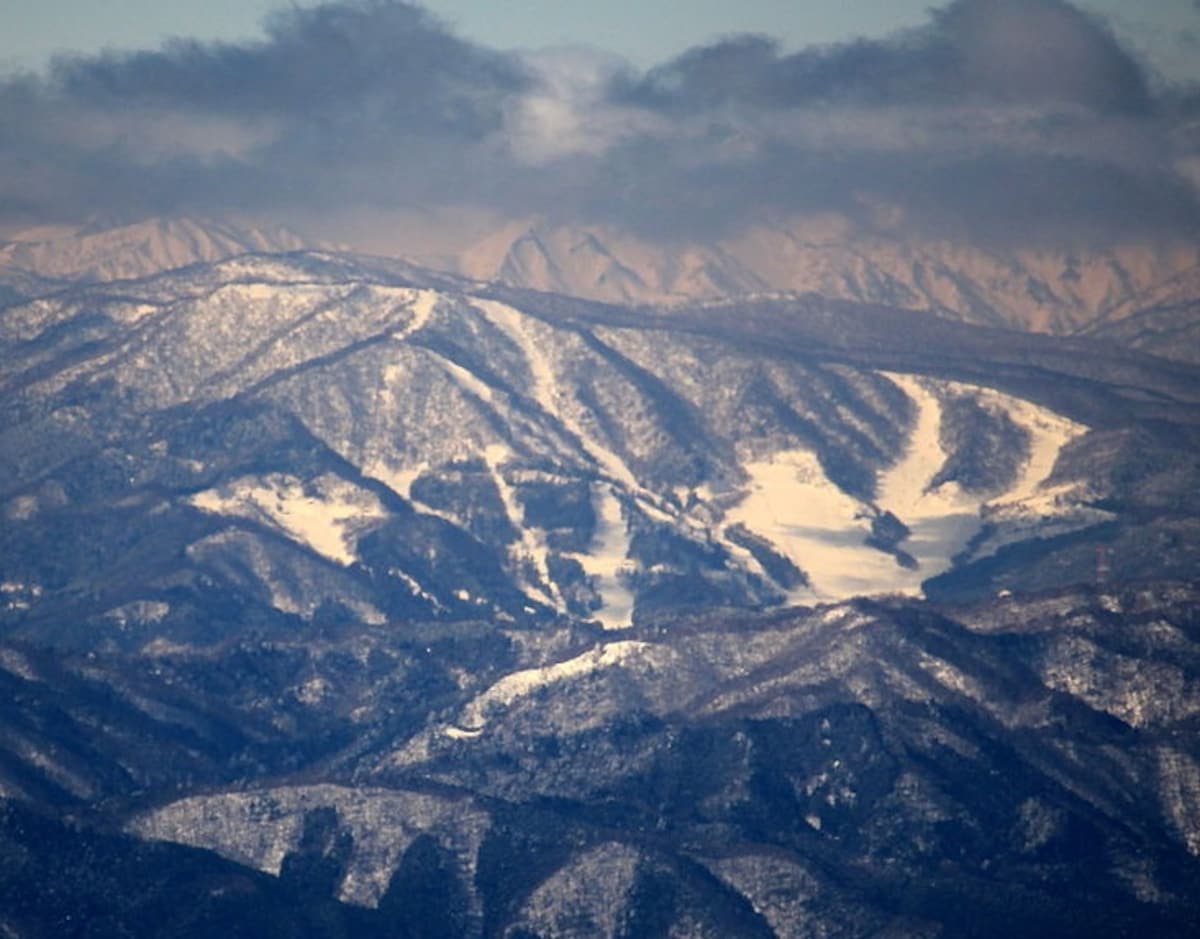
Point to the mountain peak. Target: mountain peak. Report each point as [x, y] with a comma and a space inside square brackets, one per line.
[110, 249]
[1053, 291]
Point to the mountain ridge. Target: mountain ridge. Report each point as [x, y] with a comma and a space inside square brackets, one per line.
[106, 250]
[828, 768]
[556, 455]
[1057, 291]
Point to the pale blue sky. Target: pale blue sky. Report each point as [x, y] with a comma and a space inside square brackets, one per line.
[646, 31]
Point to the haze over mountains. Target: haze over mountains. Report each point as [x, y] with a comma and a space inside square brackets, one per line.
[607, 504]
[1043, 290]
[101, 251]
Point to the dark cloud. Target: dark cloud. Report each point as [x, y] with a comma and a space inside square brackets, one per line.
[1041, 50]
[1011, 51]
[1005, 118]
[388, 63]
[999, 118]
[358, 100]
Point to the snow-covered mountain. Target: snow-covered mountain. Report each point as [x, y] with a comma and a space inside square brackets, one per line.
[1165, 321]
[343, 597]
[315, 429]
[1034, 288]
[1171, 330]
[104, 250]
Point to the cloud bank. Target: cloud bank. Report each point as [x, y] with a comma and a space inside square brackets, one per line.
[997, 119]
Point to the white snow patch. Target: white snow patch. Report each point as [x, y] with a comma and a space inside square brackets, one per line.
[257, 291]
[609, 555]
[260, 828]
[467, 380]
[129, 314]
[16, 586]
[904, 489]
[941, 520]
[548, 394]
[1030, 503]
[608, 560]
[790, 501]
[532, 546]
[367, 612]
[139, 613]
[951, 677]
[328, 513]
[512, 322]
[1048, 432]
[518, 685]
[1055, 510]
[313, 691]
[57, 771]
[457, 733]
[22, 508]
[18, 596]
[415, 587]
[398, 480]
[16, 663]
[424, 302]
[159, 647]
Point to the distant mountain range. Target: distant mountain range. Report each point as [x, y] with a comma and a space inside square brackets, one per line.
[104, 250]
[1041, 290]
[1045, 290]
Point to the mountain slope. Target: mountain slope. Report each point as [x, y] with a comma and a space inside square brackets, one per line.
[832, 771]
[319, 429]
[1170, 331]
